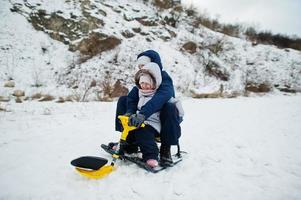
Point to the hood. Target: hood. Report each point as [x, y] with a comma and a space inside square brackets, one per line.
[154, 56]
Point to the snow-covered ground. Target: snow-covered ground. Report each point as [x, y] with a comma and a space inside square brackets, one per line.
[243, 148]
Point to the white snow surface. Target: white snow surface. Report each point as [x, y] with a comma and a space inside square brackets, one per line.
[242, 148]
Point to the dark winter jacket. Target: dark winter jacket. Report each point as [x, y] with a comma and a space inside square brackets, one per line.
[163, 94]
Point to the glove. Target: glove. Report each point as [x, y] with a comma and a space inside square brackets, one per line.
[128, 114]
[136, 120]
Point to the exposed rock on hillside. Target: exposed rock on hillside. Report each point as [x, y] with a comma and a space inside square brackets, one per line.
[78, 41]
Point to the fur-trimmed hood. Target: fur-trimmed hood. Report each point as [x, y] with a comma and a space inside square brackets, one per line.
[153, 70]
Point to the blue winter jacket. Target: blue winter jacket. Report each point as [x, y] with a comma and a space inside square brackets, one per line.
[162, 95]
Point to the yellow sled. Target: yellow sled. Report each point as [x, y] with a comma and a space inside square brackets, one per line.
[95, 167]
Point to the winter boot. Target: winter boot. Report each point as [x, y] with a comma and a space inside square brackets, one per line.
[113, 145]
[152, 163]
[126, 148]
[165, 155]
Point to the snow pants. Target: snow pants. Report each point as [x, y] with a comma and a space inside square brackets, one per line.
[170, 121]
[145, 139]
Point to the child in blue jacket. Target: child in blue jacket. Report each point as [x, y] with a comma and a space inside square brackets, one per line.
[169, 114]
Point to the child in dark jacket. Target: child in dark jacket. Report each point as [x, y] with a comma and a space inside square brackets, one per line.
[147, 81]
[170, 116]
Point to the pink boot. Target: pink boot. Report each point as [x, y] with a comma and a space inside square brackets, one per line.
[152, 163]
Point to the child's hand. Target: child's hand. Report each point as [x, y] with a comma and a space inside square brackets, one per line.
[136, 120]
[128, 114]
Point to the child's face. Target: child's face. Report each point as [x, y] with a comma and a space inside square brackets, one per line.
[145, 86]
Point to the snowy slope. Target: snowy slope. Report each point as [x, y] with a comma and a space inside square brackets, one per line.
[29, 56]
[22, 58]
[238, 148]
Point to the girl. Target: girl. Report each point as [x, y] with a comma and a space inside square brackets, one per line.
[148, 80]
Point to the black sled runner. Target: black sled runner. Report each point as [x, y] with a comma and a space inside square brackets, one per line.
[138, 161]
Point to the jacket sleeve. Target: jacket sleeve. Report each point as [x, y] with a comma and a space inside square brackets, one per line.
[162, 95]
[132, 100]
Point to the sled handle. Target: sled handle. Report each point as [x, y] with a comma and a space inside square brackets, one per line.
[126, 128]
[104, 170]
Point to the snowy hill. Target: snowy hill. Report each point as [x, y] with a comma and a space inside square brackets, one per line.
[59, 47]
